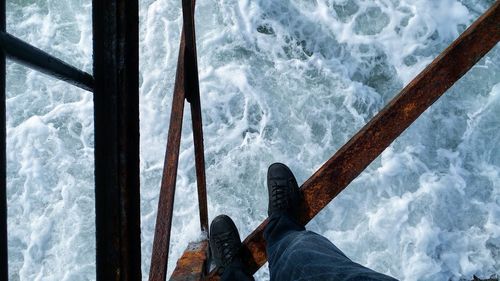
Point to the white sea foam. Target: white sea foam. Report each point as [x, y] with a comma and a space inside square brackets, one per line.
[287, 81]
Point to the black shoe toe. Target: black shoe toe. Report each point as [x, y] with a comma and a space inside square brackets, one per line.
[283, 190]
[225, 241]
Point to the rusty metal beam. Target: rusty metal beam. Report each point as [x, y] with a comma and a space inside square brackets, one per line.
[161, 244]
[186, 86]
[334, 176]
[200, 161]
[193, 96]
[116, 115]
[192, 265]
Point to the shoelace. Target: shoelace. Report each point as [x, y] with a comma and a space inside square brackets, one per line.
[224, 247]
[279, 196]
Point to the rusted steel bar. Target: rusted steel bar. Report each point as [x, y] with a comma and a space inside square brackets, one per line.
[192, 266]
[4, 267]
[25, 54]
[116, 115]
[186, 82]
[200, 161]
[334, 176]
[193, 96]
[161, 244]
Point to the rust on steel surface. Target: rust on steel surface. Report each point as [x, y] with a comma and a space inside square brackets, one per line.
[199, 161]
[159, 257]
[186, 83]
[343, 167]
[193, 96]
[192, 264]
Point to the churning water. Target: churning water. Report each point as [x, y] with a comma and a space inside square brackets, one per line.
[289, 81]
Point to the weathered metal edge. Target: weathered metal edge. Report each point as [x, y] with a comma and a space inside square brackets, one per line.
[193, 263]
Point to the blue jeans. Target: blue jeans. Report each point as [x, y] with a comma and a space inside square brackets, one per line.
[297, 254]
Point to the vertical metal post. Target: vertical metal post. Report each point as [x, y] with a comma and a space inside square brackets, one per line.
[192, 86]
[199, 161]
[116, 113]
[3, 165]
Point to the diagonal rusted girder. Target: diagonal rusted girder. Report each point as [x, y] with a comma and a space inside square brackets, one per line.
[186, 87]
[334, 176]
[161, 243]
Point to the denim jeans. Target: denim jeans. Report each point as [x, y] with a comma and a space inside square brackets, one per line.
[297, 254]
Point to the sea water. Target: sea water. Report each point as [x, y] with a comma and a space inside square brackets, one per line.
[288, 81]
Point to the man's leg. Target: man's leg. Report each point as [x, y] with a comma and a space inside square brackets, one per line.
[294, 253]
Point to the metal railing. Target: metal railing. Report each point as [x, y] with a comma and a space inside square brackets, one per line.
[115, 85]
[116, 118]
[345, 165]
[186, 87]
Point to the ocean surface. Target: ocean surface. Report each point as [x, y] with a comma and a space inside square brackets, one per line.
[288, 81]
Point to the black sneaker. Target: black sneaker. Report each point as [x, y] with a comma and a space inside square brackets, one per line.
[284, 194]
[224, 240]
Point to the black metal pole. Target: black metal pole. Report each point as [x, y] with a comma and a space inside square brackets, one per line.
[116, 119]
[23, 53]
[3, 165]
